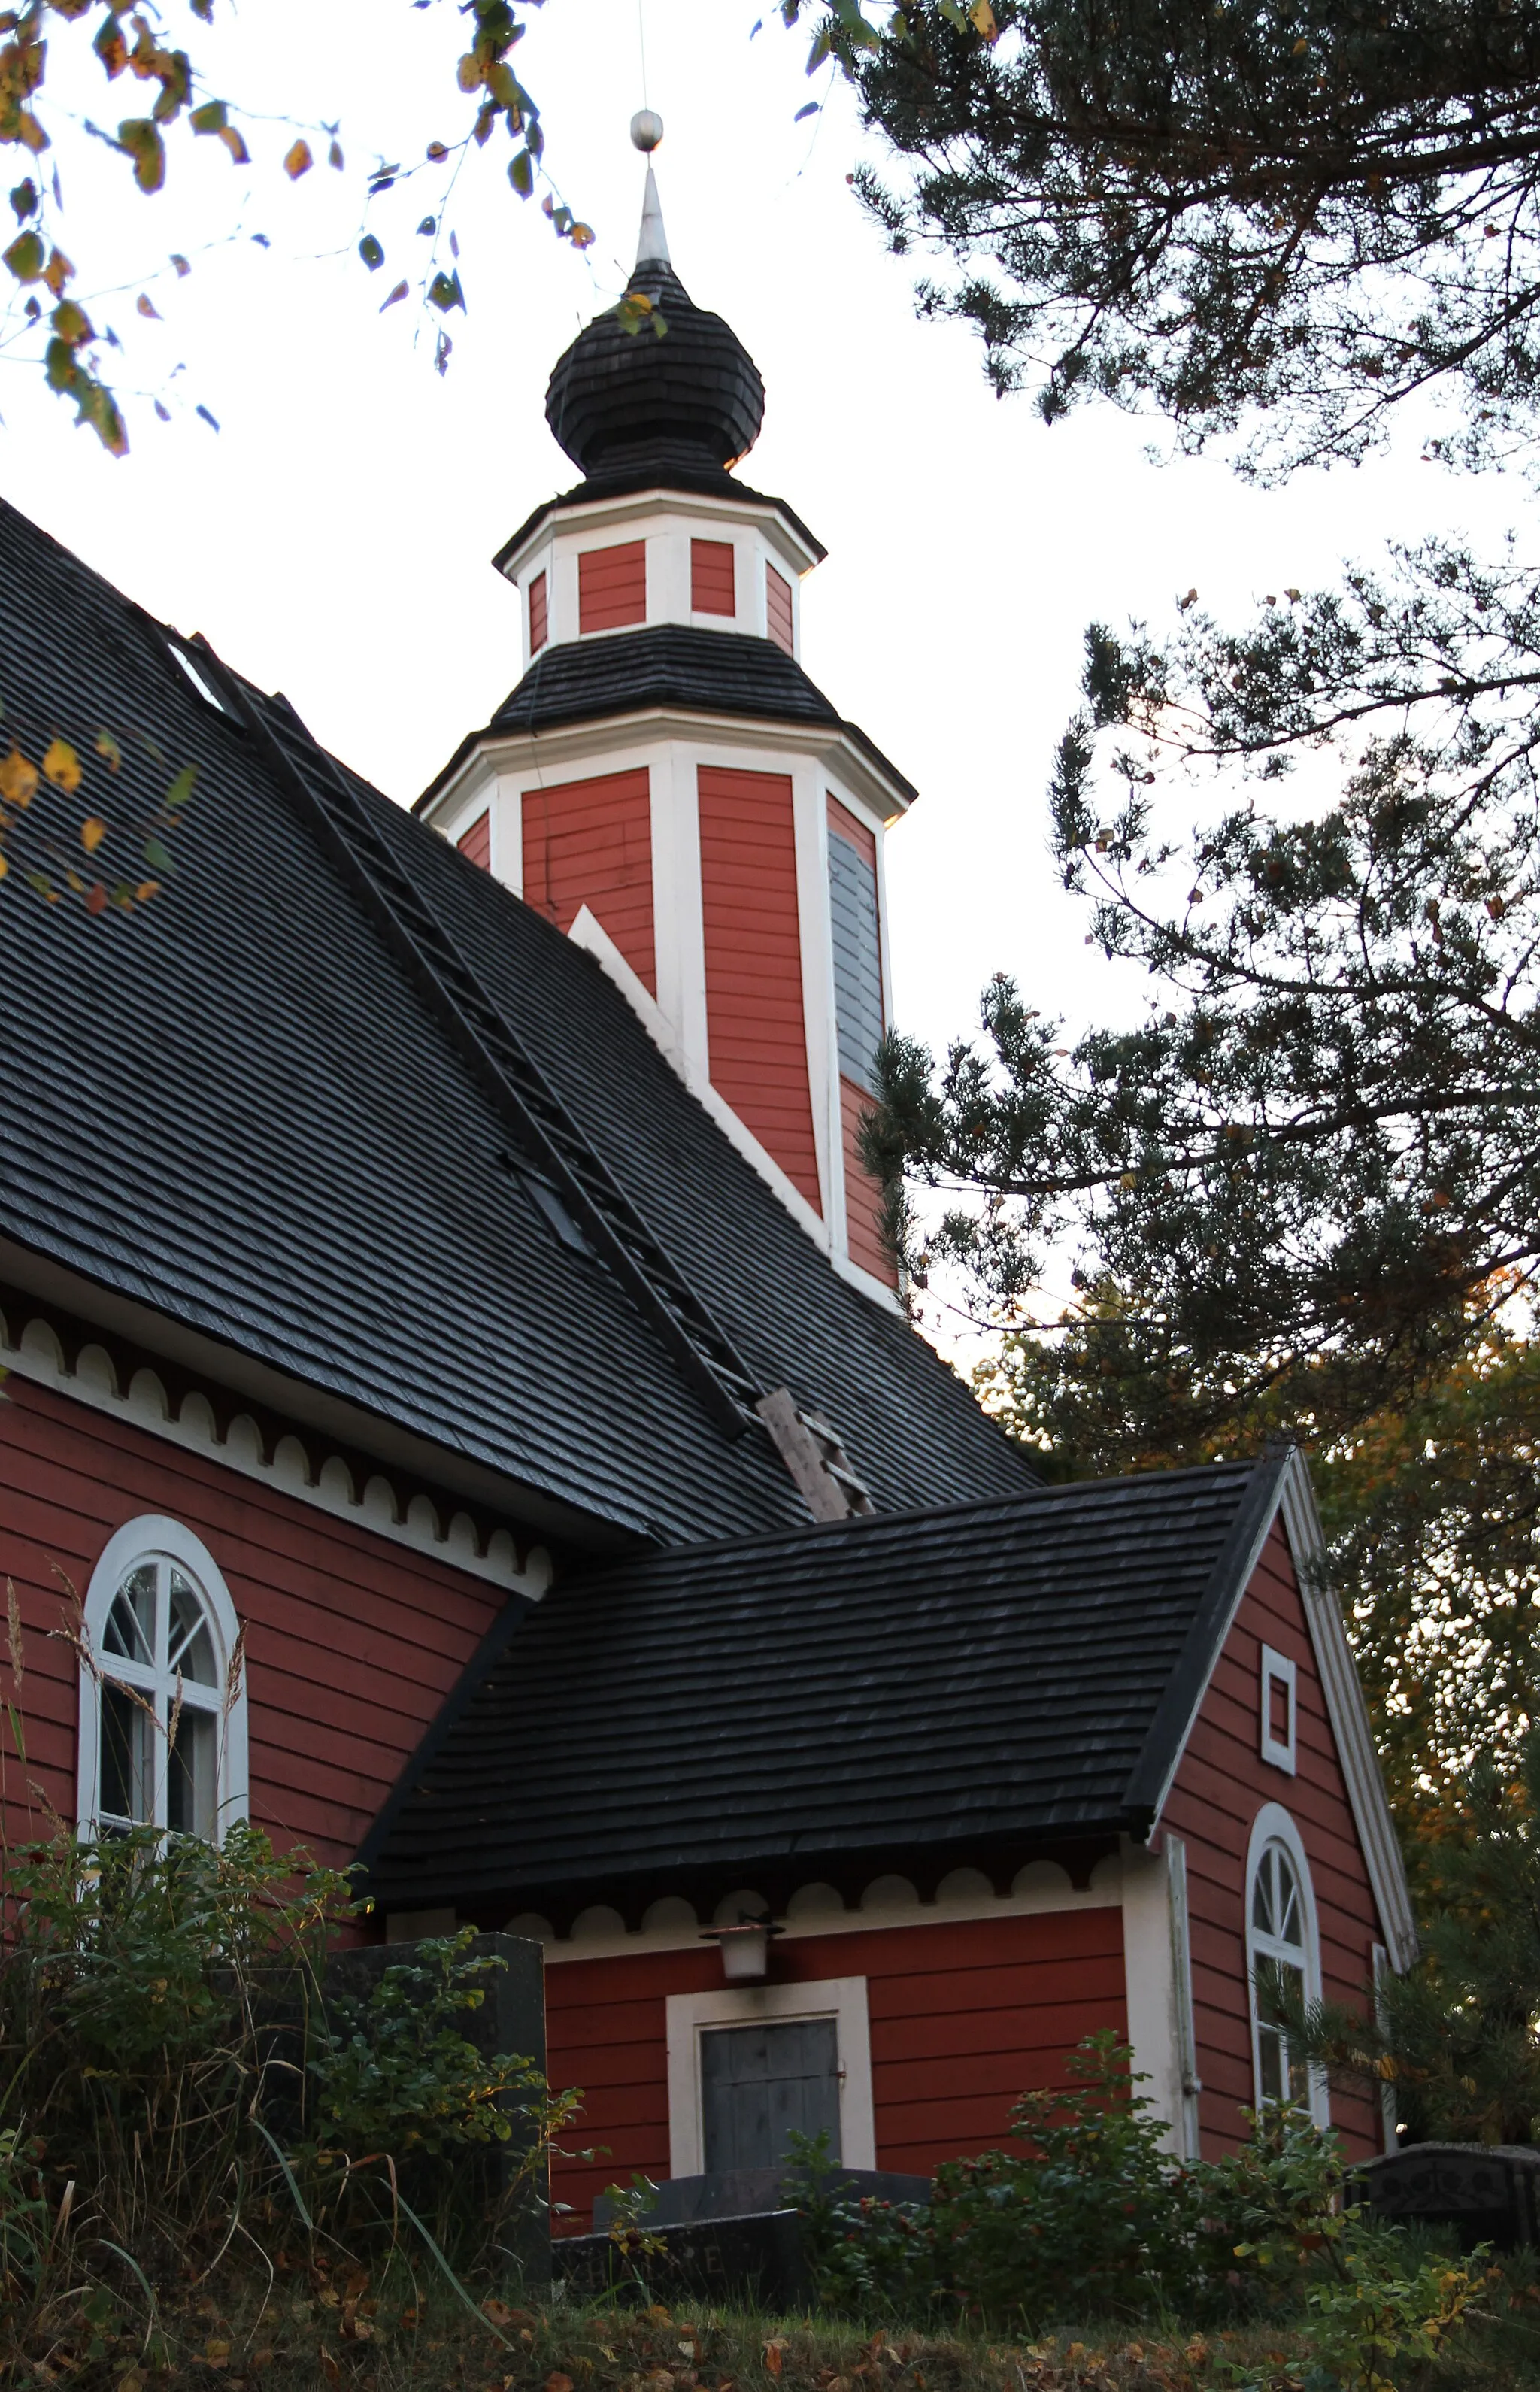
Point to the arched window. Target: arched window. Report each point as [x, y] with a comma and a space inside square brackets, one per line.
[163, 1700]
[1281, 1944]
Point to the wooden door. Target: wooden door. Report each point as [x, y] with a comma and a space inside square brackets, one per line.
[758, 2083]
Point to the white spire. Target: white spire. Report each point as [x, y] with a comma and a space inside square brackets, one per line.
[653, 241]
[646, 131]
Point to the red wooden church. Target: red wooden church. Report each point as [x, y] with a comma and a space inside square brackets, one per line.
[448, 1340]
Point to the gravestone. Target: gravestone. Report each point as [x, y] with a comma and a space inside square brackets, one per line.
[733, 2234]
[1488, 2192]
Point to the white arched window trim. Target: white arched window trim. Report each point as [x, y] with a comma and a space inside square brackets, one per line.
[154, 1537]
[1274, 1825]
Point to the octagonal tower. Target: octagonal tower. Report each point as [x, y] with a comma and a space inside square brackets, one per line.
[665, 783]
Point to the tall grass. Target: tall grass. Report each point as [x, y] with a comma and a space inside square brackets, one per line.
[180, 2087]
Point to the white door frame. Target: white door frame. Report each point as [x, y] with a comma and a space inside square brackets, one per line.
[841, 1998]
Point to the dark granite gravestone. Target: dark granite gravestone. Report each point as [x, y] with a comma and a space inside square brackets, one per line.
[510, 2019]
[733, 2235]
[1488, 2192]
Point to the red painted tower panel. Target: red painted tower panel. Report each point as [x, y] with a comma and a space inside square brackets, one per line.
[590, 843]
[755, 1025]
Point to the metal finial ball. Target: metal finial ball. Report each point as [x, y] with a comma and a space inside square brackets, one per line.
[647, 128]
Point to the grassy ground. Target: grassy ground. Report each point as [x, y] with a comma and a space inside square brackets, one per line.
[319, 2330]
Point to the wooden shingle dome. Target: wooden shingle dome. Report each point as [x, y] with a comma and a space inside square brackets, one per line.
[690, 395]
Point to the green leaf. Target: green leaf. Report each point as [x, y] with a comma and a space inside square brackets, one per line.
[372, 251]
[27, 257]
[182, 786]
[157, 854]
[521, 174]
[445, 292]
[143, 140]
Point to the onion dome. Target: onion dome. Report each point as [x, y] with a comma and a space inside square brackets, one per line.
[686, 398]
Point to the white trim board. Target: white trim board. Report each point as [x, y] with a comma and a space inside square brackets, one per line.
[37, 1355]
[589, 933]
[563, 747]
[816, 1909]
[1349, 1718]
[841, 1998]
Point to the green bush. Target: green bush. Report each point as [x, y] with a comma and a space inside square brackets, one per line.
[1089, 2216]
[174, 2078]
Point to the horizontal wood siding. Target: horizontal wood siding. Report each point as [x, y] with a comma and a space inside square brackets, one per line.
[612, 586]
[755, 1026]
[538, 622]
[590, 843]
[849, 827]
[965, 2015]
[352, 1643]
[777, 609]
[476, 843]
[1221, 1785]
[711, 585]
[863, 1194]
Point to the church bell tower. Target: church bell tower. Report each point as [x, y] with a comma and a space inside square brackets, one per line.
[664, 782]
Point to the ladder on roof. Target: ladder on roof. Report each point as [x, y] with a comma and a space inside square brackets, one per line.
[528, 1106]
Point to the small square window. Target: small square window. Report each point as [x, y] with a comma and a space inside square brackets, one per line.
[1278, 1708]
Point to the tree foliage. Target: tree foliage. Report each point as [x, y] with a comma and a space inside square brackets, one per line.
[1299, 1196]
[1296, 212]
[1458, 2039]
[151, 68]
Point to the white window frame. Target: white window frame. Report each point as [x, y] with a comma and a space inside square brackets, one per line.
[1272, 1824]
[1277, 1670]
[841, 1998]
[151, 1538]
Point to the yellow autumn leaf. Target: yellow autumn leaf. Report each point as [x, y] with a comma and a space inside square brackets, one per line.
[62, 766]
[983, 20]
[5, 866]
[17, 779]
[92, 832]
[145, 889]
[298, 161]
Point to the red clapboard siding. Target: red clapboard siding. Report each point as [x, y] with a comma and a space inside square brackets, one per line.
[612, 587]
[353, 1643]
[590, 843]
[476, 843]
[778, 609]
[755, 1026]
[845, 823]
[1221, 1785]
[863, 1194]
[712, 586]
[965, 2015]
[539, 623]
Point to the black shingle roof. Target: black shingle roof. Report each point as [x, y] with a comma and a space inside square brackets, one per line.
[746, 1714]
[684, 378]
[667, 664]
[232, 1107]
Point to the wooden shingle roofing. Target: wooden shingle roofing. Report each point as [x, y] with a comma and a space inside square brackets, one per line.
[232, 1112]
[999, 1675]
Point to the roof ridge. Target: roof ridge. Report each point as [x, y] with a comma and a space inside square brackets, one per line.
[981, 1509]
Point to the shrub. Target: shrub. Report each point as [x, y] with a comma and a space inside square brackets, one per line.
[174, 2076]
[1089, 2216]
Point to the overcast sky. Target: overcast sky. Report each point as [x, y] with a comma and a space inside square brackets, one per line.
[333, 537]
